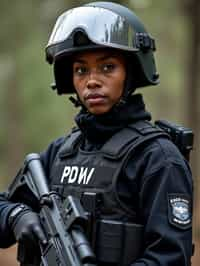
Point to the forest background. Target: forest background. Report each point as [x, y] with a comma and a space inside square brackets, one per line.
[32, 115]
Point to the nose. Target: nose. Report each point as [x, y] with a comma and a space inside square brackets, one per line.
[93, 81]
[93, 84]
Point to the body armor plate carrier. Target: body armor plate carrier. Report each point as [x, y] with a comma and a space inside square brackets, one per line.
[92, 177]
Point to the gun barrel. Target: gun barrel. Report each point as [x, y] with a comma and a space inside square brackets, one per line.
[83, 247]
[36, 169]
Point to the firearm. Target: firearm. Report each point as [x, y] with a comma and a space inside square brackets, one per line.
[182, 137]
[63, 221]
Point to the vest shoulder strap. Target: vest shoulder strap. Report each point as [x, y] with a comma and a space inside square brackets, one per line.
[71, 143]
[134, 135]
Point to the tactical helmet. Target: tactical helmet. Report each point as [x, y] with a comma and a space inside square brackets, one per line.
[99, 25]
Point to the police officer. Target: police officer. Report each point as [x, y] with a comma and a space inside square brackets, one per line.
[131, 179]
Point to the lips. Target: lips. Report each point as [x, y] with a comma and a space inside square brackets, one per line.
[95, 98]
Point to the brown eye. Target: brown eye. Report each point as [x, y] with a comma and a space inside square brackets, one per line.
[80, 70]
[107, 68]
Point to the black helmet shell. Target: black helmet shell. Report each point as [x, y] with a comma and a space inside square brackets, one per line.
[140, 51]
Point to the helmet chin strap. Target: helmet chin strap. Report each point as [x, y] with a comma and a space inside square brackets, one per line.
[128, 87]
[76, 101]
[122, 101]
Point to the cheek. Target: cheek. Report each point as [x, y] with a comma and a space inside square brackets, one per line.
[119, 84]
[77, 85]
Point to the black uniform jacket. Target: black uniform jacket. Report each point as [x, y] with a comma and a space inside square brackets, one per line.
[156, 182]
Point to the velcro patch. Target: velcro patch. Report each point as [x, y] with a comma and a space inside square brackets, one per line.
[179, 210]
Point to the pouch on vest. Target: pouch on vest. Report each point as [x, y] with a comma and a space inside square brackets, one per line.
[113, 241]
[118, 243]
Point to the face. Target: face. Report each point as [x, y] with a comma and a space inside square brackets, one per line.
[98, 77]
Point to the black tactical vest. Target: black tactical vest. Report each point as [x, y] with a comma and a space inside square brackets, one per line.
[92, 177]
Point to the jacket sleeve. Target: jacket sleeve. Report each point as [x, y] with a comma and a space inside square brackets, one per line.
[165, 205]
[6, 236]
[6, 206]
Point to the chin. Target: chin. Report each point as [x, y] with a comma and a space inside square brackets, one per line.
[98, 111]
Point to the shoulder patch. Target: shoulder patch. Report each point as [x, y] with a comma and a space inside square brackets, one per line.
[180, 210]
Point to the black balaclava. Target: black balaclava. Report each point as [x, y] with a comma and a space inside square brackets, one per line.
[99, 128]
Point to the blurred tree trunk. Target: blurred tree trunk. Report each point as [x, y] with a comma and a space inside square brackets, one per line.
[192, 11]
[193, 68]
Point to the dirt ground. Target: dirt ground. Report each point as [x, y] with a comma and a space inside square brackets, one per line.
[8, 256]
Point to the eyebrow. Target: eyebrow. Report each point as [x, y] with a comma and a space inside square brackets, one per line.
[101, 58]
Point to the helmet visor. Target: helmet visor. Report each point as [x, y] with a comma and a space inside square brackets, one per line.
[102, 27]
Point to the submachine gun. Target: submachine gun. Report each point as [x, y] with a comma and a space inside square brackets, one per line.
[63, 221]
[182, 137]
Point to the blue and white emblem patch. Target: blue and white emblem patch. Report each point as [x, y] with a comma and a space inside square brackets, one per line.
[179, 212]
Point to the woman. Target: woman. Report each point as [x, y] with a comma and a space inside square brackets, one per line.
[129, 176]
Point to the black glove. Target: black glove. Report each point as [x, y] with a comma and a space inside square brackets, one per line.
[26, 226]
